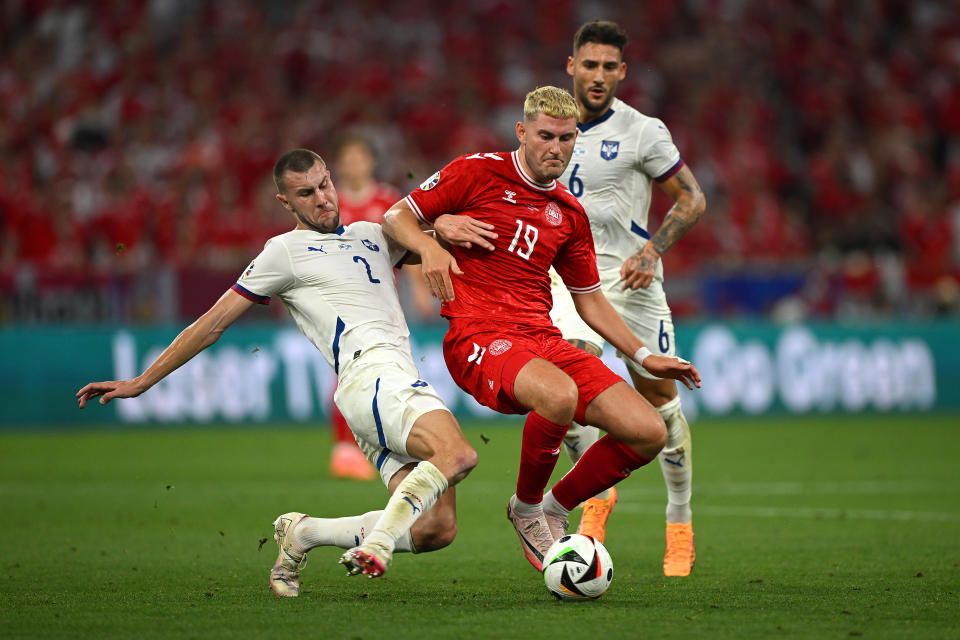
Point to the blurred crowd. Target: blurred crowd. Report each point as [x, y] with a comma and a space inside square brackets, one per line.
[138, 136]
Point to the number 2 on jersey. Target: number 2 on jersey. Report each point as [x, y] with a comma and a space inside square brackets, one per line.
[367, 265]
[530, 236]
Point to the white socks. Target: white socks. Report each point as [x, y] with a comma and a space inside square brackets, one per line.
[527, 509]
[345, 533]
[550, 505]
[676, 462]
[389, 527]
[579, 438]
[419, 491]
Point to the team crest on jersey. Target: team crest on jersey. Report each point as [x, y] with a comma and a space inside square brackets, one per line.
[609, 149]
[552, 213]
[430, 182]
[370, 245]
[499, 346]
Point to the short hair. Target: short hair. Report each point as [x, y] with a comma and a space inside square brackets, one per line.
[296, 160]
[600, 32]
[552, 101]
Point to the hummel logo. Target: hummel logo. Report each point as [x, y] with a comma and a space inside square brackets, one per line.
[510, 195]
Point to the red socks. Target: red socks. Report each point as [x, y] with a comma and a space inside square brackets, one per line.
[604, 464]
[542, 440]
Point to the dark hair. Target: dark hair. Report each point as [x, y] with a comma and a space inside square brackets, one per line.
[296, 160]
[600, 32]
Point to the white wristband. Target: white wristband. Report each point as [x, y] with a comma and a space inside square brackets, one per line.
[641, 354]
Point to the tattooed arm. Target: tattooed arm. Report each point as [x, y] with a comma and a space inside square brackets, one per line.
[689, 205]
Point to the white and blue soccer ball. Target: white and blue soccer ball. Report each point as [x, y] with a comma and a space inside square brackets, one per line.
[577, 567]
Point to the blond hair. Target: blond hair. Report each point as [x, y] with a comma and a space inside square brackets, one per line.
[552, 101]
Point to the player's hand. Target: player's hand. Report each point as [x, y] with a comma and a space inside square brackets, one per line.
[670, 367]
[108, 390]
[464, 231]
[639, 269]
[436, 263]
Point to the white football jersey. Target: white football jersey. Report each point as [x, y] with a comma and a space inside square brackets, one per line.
[339, 288]
[615, 160]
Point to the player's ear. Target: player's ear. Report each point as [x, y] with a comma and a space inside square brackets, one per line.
[521, 129]
[570, 65]
[283, 200]
[623, 70]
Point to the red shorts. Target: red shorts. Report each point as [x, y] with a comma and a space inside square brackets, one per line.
[484, 361]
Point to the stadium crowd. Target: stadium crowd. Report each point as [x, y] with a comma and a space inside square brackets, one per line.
[138, 135]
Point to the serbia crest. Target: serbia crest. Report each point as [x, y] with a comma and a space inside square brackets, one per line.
[609, 149]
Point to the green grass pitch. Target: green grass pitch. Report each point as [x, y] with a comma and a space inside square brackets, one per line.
[817, 527]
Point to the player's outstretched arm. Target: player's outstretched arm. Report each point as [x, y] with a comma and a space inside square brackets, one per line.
[688, 208]
[600, 315]
[436, 263]
[191, 341]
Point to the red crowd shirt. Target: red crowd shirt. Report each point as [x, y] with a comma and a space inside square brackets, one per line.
[538, 225]
[371, 208]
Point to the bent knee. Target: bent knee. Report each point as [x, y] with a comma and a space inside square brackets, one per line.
[468, 459]
[463, 463]
[561, 404]
[656, 435]
[647, 438]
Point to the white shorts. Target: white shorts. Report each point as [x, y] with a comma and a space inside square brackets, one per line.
[381, 397]
[645, 312]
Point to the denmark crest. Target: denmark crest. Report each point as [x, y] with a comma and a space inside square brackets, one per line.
[609, 149]
[499, 346]
[552, 213]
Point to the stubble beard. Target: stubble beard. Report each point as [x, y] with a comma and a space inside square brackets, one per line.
[542, 177]
[592, 108]
[316, 227]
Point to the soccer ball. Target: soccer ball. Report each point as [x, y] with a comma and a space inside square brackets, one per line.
[577, 567]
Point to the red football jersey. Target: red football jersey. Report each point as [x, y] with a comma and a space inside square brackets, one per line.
[538, 225]
[371, 208]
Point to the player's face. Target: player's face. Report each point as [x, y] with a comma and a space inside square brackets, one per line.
[597, 69]
[355, 165]
[312, 199]
[546, 144]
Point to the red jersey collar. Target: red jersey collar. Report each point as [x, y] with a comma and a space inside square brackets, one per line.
[533, 184]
